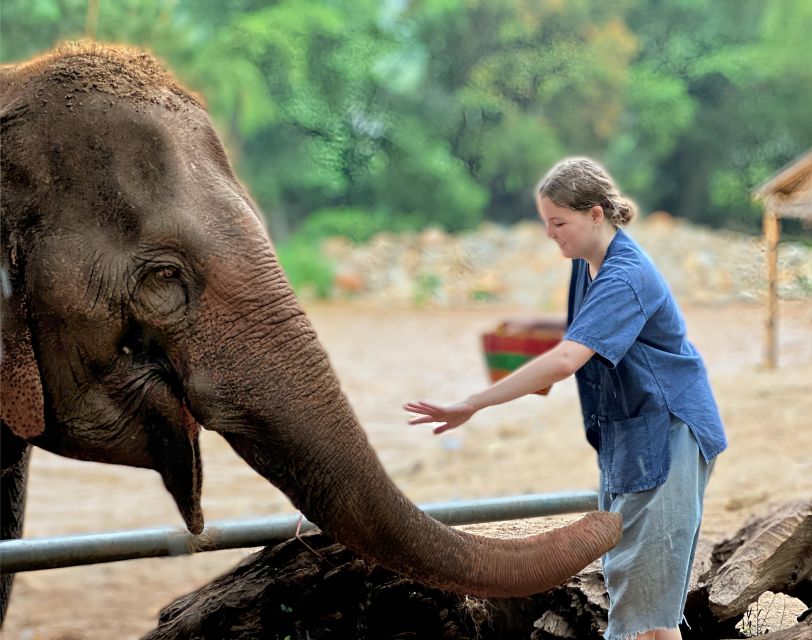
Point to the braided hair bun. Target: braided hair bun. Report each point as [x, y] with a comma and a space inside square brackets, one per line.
[582, 183]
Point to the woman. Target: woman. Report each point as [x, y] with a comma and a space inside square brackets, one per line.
[647, 404]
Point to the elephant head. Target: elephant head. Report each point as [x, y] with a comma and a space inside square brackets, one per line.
[143, 301]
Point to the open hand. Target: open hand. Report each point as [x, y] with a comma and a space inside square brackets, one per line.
[451, 416]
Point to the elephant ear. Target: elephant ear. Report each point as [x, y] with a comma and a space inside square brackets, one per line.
[21, 399]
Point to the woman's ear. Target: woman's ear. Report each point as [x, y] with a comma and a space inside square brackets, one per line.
[597, 215]
[21, 399]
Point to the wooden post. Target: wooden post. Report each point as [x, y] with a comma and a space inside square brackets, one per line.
[772, 234]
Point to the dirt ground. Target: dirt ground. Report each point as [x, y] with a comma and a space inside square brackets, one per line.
[531, 445]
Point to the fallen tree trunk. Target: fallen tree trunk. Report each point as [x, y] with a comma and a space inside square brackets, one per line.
[800, 631]
[774, 555]
[291, 591]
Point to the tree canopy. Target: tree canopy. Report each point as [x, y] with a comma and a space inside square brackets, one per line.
[447, 112]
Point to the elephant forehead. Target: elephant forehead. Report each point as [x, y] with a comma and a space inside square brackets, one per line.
[116, 161]
[131, 174]
[142, 170]
[109, 138]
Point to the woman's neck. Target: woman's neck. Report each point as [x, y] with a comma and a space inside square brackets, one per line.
[606, 233]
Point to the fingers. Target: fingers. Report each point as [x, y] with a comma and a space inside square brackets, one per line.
[421, 407]
[430, 414]
[443, 427]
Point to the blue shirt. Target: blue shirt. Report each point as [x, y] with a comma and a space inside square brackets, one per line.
[644, 372]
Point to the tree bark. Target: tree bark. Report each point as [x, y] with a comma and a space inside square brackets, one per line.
[289, 591]
[800, 631]
[774, 556]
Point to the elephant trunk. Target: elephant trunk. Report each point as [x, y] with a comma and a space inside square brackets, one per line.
[301, 434]
[257, 374]
[348, 495]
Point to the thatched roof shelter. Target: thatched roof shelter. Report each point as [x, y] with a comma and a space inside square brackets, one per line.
[788, 194]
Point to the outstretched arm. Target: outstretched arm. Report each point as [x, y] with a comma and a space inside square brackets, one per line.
[559, 363]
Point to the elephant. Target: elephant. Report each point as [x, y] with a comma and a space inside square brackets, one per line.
[143, 301]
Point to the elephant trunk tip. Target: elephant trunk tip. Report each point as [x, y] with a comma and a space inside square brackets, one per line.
[607, 526]
[196, 527]
[193, 518]
[557, 555]
[587, 540]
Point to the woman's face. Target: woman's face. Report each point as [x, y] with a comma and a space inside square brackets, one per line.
[572, 230]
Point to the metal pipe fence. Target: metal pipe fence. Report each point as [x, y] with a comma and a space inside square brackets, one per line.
[51, 553]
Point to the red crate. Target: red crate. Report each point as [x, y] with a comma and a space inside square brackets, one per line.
[515, 342]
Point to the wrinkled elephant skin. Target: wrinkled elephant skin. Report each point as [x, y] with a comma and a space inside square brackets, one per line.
[142, 299]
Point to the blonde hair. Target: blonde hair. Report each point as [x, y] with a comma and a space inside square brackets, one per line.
[582, 183]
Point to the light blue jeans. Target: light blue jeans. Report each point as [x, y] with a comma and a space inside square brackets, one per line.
[648, 573]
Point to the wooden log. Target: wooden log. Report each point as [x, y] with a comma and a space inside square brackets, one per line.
[556, 625]
[288, 591]
[772, 235]
[800, 631]
[577, 609]
[775, 555]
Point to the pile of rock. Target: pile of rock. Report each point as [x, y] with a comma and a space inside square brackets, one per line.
[518, 265]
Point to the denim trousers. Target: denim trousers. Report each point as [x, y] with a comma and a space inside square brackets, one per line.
[648, 573]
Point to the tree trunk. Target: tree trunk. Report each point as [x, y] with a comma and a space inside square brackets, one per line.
[800, 631]
[774, 556]
[289, 591]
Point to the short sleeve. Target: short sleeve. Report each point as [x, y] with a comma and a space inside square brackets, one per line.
[609, 320]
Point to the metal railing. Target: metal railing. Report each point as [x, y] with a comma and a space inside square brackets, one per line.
[52, 553]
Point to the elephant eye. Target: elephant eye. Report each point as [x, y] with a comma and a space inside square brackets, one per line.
[163, 276]
[167, 273]
[161, 292]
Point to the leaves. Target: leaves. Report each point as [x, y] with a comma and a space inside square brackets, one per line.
[448, 111]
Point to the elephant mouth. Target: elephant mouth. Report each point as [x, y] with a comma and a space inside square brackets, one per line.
[151, 386]
[173, 442]
[190, 424]
[190, 509]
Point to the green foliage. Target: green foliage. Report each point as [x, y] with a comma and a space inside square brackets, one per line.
[356, 225]
[426, 288]
[422, 177]
[362, 115]
[658, 112]
[309, 273]
[747, 82]
[30, 27]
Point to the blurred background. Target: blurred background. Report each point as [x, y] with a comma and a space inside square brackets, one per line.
[393, 147]
[355, 117]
